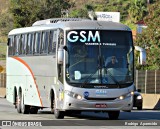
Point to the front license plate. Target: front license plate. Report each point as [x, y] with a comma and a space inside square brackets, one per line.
[101, 105]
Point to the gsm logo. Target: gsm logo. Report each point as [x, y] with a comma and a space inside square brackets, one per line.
[83, 36]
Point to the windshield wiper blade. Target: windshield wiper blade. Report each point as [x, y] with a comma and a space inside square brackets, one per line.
[86, 80]
[112, 77]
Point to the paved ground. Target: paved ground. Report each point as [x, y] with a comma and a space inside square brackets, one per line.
[85, 120]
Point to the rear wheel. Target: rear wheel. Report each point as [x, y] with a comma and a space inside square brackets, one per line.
[113, 115]
[18, 103]
[24, 108]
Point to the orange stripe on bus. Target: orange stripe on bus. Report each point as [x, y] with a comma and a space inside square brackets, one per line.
[23, 62]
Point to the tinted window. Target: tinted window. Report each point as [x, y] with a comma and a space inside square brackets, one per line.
[11, 47]
[37, 42]
[30, 44]
[52, 42]
[44, 44]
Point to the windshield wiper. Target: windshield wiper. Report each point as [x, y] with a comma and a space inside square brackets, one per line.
[112, 77]
[87, 79]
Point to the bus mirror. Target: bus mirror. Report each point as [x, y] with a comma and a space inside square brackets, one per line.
[142, 55]
[60, 55]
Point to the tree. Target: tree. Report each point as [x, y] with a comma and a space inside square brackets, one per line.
[25, 12]
[137, 10]
[150, 37]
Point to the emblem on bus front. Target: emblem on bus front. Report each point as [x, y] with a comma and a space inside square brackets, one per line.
[86, 94]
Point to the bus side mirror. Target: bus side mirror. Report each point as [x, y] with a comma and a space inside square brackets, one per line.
[142, 56]
[60, 55]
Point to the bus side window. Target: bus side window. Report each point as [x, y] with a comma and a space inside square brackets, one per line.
[30, 44]
[37, 43]
[16, 45]
[52, 42]
[11, 47]
[44, 44]
[22, 40]
[46, 41]
[25, 44]
[20, 45]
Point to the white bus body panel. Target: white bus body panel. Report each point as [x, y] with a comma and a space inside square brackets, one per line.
[35, 75]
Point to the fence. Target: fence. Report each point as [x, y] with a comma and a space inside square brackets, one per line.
[148, 81]
[2, 80]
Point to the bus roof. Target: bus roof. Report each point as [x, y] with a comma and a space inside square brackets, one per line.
[71, 25]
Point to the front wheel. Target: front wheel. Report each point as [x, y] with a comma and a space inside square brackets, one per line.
[113, 115]
[58, 114]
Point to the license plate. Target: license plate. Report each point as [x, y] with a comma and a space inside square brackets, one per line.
[101, 105]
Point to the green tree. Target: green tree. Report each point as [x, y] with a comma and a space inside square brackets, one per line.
[150, 37]
[25, 12]
[137, 10]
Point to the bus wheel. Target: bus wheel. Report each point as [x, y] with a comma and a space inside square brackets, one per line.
[18, 103]
[33, 110]
[24, 108]
[113, 115]
[58, 114]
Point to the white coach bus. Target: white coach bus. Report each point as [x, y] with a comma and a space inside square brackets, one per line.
[67, 64]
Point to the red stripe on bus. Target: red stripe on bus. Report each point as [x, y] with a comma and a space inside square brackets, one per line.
[23, 62]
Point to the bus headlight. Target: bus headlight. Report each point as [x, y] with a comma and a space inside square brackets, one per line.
[126, 95]
[121, 97]
[74, 95]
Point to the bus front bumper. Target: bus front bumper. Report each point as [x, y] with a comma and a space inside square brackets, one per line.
[86, 105]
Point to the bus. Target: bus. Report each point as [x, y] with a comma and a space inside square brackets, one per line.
[62, 64]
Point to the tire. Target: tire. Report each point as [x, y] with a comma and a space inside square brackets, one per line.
[25, 109]
[18, 103]
[113, 115]
[58, 114]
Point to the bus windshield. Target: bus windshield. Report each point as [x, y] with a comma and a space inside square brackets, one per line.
[100, 57]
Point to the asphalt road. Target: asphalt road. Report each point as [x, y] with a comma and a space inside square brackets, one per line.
[86, 119]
